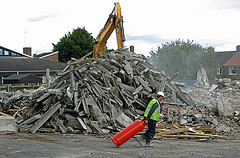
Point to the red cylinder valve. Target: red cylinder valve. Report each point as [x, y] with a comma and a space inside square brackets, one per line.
[128, 132]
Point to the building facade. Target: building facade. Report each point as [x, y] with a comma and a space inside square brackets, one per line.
[231, 69]
[12, 62]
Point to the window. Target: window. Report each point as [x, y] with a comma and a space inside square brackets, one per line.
[219, 71]
[1, 52]
[232, 70]
[6, 52]
[14, 54]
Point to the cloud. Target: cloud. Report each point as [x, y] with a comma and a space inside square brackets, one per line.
[40, 18]
[226, 4]
[234, 3]
[146, 38]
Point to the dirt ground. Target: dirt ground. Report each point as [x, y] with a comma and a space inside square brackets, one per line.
[61, 146]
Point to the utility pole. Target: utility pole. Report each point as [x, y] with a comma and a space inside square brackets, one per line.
[25, 38]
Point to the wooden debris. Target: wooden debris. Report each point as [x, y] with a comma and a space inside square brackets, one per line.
[173, 131]
[4, 114]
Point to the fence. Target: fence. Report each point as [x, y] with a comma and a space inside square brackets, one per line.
[15, 87]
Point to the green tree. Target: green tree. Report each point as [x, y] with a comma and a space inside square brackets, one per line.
[76, 44]
[183, 57]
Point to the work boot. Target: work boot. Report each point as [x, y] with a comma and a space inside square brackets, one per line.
[148, 143]
[141, 140]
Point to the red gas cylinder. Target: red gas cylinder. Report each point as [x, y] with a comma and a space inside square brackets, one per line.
[128, 132]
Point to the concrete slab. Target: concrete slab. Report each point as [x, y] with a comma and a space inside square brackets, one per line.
[7, 125]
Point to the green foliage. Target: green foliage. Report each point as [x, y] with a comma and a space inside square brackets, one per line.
[76, 44]
[109, 50]
[183, 57]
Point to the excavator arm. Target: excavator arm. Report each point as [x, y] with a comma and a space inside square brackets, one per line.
[115, 21]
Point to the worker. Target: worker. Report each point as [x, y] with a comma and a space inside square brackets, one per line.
[151, 114]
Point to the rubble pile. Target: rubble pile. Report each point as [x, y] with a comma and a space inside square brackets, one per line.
[14, 103]
[222, 102]
[216, 111]
[228, 96]
[107, 94]
[192, 116]
[98, 95]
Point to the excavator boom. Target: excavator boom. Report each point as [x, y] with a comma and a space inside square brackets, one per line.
[115, 21]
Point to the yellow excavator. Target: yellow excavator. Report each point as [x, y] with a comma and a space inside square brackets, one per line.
[115, 21]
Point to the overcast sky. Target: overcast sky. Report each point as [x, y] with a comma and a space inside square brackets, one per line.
[147, 23]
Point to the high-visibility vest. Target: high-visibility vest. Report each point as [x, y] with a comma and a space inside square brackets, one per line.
[156, 113]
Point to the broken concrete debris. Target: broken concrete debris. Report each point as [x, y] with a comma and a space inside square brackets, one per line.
[7, 125]
[107, 94]
[98, 95]
[215, 114]
[222, 103]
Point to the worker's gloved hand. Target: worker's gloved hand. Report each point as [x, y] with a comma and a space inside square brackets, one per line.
[146, 121]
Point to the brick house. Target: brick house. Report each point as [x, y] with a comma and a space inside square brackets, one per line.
[52, 56]
[231, 69]
[8, 53]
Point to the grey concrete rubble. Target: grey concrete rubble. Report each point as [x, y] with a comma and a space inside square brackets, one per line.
[7, 125]
[222, 100]
[105, 95]
[98, 95]
[222, 103]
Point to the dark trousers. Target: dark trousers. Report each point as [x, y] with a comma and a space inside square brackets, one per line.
[149, 134]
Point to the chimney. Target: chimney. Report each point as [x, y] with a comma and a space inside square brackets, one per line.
[131, 48]
[238, 48]
[27, 50]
